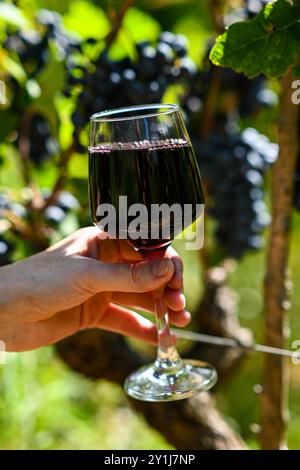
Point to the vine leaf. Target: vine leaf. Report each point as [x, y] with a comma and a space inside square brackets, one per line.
[268, 44]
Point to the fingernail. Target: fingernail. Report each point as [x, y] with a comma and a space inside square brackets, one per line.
[183, 299]
[160, 268]
[188, 315]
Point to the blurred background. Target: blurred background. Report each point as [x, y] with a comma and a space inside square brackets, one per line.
[63, 60]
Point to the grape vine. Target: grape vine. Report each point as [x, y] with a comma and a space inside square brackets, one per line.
[95, 82]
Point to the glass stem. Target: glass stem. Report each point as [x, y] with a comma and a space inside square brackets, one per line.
[168, 359]
[167, 355]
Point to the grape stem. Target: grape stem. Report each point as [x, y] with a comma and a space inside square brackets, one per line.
[217, 10]
[275, 381]
[117, 23]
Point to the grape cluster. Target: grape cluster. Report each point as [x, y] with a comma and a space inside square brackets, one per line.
[33, 48]
[233, 166]
[106, 83]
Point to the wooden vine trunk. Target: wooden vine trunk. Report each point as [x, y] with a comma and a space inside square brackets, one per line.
[275, 386]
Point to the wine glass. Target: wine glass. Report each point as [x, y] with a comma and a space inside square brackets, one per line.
[141, 159]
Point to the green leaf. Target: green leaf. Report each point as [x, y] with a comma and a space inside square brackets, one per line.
[268, 44]
[50, 82]
[12, 67]
[51, 79]
[86, 20]
[140, 26]
[45, 175]
[136, 26]
[10, 175]
[60, 6]
[197, 35]
[78, 167]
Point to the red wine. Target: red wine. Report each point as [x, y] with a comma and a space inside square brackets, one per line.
[147, 173]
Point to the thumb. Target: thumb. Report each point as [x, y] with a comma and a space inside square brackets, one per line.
[135, 277]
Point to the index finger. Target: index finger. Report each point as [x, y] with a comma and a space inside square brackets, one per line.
[176, 282]
[128, 254]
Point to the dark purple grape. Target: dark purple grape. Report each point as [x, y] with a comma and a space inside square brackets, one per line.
[42, 144]
[67, 201]
[6, 249]
[253, 7]
[54, 215]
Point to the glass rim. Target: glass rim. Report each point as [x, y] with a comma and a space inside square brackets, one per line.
[108, 114]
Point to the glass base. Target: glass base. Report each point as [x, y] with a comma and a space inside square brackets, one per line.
[152, 384]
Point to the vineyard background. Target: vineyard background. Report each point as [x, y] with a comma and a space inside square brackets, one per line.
[43, 195]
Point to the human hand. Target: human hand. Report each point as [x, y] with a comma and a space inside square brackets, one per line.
[82, 282]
